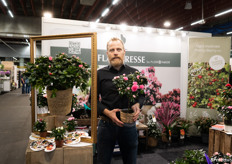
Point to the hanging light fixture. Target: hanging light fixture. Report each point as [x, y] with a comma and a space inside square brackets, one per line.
[188, 5]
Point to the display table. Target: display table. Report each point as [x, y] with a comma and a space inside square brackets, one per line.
[219, 141]
[64, 155]
[141, 126]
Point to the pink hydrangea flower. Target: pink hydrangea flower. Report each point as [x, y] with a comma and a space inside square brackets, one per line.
[80, 65]
[50, 58]
[135, 83]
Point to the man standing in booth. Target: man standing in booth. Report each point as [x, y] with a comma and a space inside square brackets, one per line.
[110, 128]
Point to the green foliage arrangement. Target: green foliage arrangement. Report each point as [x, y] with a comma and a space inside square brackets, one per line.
[204, 123]
[58, 73]
[40, 125]
[192, 157]
[153, 129]
[70, 124]
[58, 133]
[204, 85]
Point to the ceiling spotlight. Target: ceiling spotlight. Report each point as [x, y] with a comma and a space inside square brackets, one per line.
[4, 3]
[115, 2]
[47, 15]
[12, 16]
[93, 25]
[229, 33]
[183, 34]
[108, 28]
[105, 12]
[167, 24]
[224, 12]
[148, 30]
[135, 29]
[188, 5]
[202, 21]
[98, 20]
[123, 27]
[178, 29]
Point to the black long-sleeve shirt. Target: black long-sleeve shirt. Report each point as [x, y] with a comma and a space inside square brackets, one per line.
[110, 97]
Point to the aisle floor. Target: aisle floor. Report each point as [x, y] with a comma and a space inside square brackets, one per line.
[15, 128]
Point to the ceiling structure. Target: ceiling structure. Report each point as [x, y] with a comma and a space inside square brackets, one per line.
[145, 13]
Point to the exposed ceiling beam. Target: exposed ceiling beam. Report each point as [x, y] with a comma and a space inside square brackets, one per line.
[53, 6]
[12, 7]
[3, 8]
[23, 6]
[82, 7]
[101, 6]
[42, 7]
[91, 10]
[72, 8]
[33, 7]
[62, 9]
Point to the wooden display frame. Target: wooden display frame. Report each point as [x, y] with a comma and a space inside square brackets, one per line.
[93, 37]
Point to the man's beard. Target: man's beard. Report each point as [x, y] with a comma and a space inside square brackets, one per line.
[116, 62]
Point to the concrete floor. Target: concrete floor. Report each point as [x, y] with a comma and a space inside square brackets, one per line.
[15, 126]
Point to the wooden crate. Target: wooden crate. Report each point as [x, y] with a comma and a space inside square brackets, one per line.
[219, 141]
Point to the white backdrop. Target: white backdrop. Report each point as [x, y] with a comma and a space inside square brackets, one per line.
[140, 41]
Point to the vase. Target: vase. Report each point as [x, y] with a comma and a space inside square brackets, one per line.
[127, 116]
[228, 124]
[59, 143]
[61, 104]
[152, 141]
[43, 134]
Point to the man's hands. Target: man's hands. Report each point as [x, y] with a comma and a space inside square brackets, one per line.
[136, 110]
[112, 115]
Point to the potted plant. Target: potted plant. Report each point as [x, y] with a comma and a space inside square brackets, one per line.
[131, 86]
[220, 158]
[70, 124]
[58, 75]
[40, 126]
[2, 73]
[203, 124]
[192, 156]
[225, 108]
[7, 73]
[154, 132]
[58, 133]
[166, 115]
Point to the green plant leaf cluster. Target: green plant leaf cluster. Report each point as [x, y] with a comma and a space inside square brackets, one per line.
[40, 125]
[153, 129]
[204, 123]
[205, 85]
[58, 73]
[58, 133]
[192, 157]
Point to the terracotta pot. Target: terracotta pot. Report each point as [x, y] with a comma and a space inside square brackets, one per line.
[126, 116]
[59, 143]
[61, 104]
[43, 134]
[152, 141]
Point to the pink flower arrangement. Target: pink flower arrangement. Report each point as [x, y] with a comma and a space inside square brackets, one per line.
[131, 85]
[152, 94]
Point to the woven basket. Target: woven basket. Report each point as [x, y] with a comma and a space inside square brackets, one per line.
[126, 117]
[152, 142]
[61, 104]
